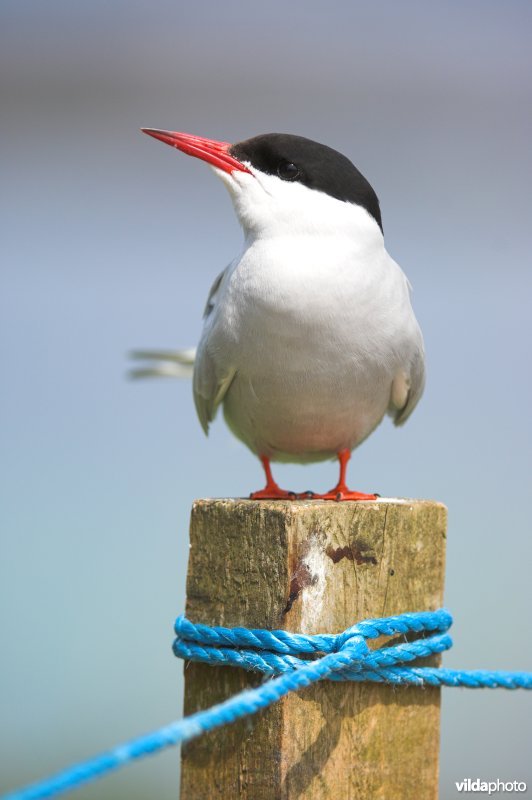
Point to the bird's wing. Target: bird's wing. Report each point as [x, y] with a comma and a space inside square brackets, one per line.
[212, 377]
[213, 372]
[211, 382]
[172, 363]
[211, 299]
[407, 388]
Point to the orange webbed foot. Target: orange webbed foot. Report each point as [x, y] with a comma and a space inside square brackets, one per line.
[271, 491]
[340, 493]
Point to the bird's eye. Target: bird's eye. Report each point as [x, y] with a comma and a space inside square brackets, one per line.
[287, 171]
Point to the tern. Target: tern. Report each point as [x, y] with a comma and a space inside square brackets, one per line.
[309, 336]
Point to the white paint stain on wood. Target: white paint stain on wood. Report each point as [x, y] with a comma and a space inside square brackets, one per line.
[312, 596]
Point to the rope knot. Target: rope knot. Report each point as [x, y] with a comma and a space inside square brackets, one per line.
[346, 655]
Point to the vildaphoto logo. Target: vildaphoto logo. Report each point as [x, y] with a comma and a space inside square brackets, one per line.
[489, 787]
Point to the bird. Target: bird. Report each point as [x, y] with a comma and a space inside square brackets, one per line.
[309, 336]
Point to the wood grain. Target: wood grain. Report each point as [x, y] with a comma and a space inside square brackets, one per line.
[314, 566]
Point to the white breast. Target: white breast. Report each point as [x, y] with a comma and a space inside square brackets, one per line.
[316, 328]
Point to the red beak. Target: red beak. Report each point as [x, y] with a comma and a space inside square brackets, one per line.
[209, 150]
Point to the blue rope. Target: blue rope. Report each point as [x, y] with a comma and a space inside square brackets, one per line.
[296, 661]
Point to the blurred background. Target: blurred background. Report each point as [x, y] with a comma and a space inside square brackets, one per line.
[110, 241]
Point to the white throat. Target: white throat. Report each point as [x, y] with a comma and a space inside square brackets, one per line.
[267, 206]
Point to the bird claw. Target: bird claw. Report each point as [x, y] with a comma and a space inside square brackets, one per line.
[343, 494]
[272, 493]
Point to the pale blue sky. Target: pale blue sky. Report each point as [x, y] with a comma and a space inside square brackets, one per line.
[110, 241]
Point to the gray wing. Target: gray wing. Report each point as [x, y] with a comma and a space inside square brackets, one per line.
[211, 299]
[407, 388]
[213, 374]
[211, 378]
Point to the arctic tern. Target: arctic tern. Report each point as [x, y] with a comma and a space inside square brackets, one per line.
[309, 336]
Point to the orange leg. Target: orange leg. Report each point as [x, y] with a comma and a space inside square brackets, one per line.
[340, 491]
[271, 491]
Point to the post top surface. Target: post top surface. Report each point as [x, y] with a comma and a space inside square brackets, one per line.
[286, 505]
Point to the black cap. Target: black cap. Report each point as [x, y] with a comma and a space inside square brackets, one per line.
[294, 158]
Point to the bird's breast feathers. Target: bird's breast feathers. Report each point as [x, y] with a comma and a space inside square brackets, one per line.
[311, 299]
[306, 336]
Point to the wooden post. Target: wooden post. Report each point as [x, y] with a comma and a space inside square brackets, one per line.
[314, 567]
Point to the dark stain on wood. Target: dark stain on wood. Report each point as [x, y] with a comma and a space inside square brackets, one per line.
[352, 552]
[301, 577]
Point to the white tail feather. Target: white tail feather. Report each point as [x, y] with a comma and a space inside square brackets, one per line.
[169, 363]
[185, 356]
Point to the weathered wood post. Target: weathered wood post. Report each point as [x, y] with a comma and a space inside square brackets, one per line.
[314, 567]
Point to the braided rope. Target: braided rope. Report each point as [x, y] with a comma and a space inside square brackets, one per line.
[279, 652]
[296, 661]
